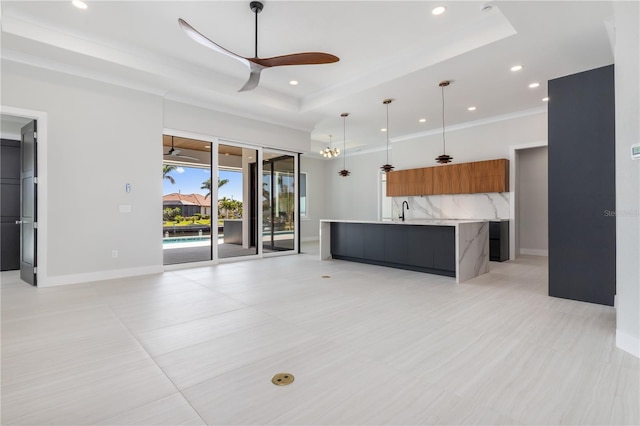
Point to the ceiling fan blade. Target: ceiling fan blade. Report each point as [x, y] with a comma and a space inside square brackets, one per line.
[254, 78]
[201, 39]
[305, 58]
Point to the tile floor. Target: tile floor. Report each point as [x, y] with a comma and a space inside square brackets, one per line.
[369, 345]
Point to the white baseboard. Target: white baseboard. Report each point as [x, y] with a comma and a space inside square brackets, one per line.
[98, 276]
[628, 343]
[534, 252]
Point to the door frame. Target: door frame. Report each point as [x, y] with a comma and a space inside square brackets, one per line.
[513, 194]
[296, 195]
[41, 198]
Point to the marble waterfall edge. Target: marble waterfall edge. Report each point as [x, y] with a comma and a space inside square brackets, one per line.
[472, 250]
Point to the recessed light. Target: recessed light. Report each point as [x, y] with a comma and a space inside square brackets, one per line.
[422, 120]
[208, 146]
[293, 82]
[79, 4]
[545, 99]
[516, 68]
[383, 130]
[439, 10]
[534, 85]
[471, 108]
[226, 153]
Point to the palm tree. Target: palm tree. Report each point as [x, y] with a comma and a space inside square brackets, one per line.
[166, 169]
[207, 185]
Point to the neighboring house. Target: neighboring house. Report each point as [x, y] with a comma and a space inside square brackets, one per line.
[189, 204]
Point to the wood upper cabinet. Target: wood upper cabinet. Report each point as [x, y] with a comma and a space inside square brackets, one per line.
[465, 178]
[490, 176]
[410, 182]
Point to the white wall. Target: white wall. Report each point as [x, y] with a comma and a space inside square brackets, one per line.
[533, 201]
[480, 141]
[356, 197]
[627, 75]
[99, 138]
[188, 118]
[316, 203]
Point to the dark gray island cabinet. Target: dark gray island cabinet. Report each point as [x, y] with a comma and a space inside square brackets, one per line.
[451, 248]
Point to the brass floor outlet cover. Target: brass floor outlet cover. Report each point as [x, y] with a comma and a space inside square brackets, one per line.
[326, 276]
[282, 379]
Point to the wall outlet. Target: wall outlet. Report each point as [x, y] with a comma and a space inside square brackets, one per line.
[114, 253]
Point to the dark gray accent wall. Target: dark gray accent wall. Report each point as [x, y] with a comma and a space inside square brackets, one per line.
[582, 226]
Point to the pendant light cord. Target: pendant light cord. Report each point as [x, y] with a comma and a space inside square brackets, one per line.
[444, 144]
[344, 141]
[388, 132]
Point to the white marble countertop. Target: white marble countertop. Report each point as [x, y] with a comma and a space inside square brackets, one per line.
[432, 222]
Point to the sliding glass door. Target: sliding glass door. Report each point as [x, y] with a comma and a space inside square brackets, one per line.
[237, 209]
[254, 208]
[186, 201]
[279, 202]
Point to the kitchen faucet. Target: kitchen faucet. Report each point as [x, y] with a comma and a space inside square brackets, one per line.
[403, 204]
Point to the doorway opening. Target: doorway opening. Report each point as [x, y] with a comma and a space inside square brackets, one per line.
[279, 202]
[237, 211]
[186, 202]
[18, 194]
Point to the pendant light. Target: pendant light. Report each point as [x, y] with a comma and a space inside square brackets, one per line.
[329, 152]
[444, 158]
[387, 167]
[344, 172]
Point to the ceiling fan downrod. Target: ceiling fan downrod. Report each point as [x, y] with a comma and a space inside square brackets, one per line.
[256, 7]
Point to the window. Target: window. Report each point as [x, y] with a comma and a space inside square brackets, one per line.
[303, 195]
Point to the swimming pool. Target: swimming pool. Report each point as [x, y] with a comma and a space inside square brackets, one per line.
[175, 240]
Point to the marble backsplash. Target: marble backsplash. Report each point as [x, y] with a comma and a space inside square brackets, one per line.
[493, 205]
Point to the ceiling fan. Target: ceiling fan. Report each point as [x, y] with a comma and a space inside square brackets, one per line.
[173, 152]
[256, 64]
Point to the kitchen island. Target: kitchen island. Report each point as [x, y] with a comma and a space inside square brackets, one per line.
[455, 248]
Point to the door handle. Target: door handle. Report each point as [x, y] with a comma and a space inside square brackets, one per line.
[18, 222]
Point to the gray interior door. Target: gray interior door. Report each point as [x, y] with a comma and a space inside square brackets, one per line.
[28, 207]
[9, 205]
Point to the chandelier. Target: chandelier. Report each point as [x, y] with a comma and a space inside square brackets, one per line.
[329, 152]
[444, 158]
[387, 167]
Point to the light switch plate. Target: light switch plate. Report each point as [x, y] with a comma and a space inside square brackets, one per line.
[125, 208]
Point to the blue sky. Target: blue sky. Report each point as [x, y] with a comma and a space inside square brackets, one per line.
[190, 179]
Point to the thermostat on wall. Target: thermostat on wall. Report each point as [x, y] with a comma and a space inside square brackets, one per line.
[635, 152]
